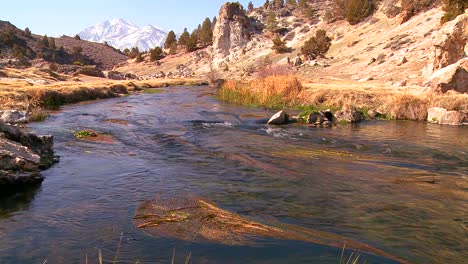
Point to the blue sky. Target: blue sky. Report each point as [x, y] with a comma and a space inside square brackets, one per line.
[59, 17]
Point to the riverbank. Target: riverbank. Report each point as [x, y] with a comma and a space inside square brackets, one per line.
[288, 91]
[31, 96]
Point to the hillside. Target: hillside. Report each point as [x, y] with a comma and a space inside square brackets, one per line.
[389, 47]
[24, 48]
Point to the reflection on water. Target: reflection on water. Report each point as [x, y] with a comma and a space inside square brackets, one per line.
[400, 187]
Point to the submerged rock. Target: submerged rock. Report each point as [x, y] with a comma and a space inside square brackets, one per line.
[22, 157]
[193, 219]
[437, 115]
[280, 118]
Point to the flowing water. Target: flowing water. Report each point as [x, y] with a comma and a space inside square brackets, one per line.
[400, 187]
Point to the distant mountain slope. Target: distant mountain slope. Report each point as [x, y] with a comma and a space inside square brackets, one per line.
[122, 34]
[16, 43]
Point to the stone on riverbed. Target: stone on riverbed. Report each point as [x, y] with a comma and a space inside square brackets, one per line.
[193, 219]
[22, 157]
[280, 118]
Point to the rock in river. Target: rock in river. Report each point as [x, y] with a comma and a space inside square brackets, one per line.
[22, 157]
[279, 118]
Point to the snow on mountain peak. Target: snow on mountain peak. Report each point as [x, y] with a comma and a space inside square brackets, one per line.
[122, 34]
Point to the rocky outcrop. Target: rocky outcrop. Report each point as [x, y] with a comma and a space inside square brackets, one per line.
[22, 157]
[453, 77]
[349, 114]
[14, 116]
[115, 75]
[441, 116]
[231, 32]
[450, 45]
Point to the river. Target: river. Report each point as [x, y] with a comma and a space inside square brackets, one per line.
[401, 187]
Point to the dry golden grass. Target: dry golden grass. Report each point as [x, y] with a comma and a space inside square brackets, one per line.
[288, 92]
[27, 95]
[271, 92]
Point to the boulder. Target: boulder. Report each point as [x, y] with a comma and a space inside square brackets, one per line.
[453, 77]
[14, 116]
[450, 45]
[402, 61]
[438, 115]
[22, 157]
[280, 118]
[350, 114]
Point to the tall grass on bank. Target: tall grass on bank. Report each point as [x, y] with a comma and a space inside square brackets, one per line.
[286, 91]
[277, 91]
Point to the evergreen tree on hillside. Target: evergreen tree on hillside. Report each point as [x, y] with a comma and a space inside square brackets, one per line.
[272, 23]
[156, 54]
[134, 52]
[357, 10]
[171, 39]
[453, 8]
[250, 6]
[215, 20]
[291, 4]
[317, 46]
[27, 32]
[278, 4]
[206, 32]
[45, 41]
[139, 58]
[266, 5]
[77, 37]
[52, 43]
[183, 39]
[302, 5]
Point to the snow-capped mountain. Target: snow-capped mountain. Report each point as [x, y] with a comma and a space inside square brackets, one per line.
[122, 34]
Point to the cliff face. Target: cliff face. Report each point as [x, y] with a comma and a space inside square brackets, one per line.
[231, 32]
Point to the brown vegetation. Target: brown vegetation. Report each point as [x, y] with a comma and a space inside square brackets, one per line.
[286, 91]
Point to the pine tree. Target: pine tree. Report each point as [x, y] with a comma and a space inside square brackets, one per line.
[278, 4]
[45, 41]
[51, 42]
[206, 32]
[27, 32]
[171, 38]
[250, 6]
[77, 37]
[302, 5]
[215, 20]
[317, 45]
[156, 54]
[183, 39]
[272, 23]
[291, 4]
[453, 8]
[139, 58]
[279, 46]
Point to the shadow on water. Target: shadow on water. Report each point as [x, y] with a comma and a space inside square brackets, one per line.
[13, 201]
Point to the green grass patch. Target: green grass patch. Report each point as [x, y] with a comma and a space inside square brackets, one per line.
[86, 133]
[153, 91]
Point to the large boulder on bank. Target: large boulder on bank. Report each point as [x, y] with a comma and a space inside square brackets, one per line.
[453, 77]
[280, 118]
[450, 44]
[349, 114]
[14, 116]
[438, 115]
[22, 157]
